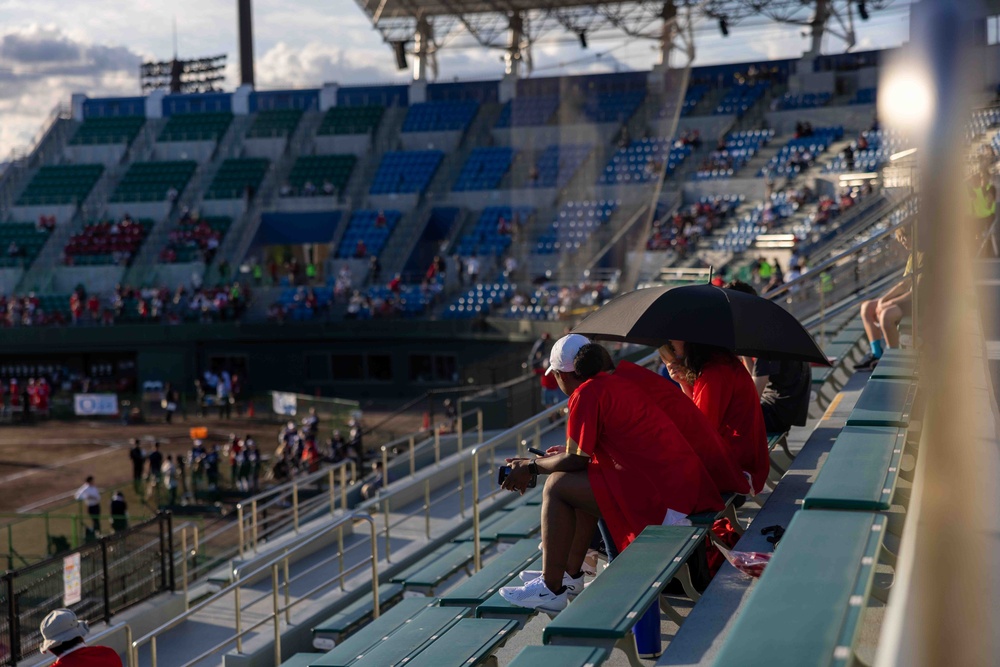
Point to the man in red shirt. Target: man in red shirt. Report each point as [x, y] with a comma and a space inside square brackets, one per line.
[63, 634]
[625, 462]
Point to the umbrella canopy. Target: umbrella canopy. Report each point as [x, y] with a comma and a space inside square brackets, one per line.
[743, 323]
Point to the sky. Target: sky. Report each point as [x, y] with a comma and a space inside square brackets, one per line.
[50, 49]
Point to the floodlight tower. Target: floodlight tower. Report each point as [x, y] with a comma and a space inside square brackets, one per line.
[245, 13]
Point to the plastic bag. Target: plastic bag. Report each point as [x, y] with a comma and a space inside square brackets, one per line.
[750, 563]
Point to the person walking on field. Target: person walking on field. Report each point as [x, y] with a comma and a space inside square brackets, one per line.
[138, 462]
[91, 497]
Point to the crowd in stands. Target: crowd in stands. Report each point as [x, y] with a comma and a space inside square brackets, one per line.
[308, 189]
[155, 305]
[107, 242]
[682, 230]
[194, 238]
[802, 150]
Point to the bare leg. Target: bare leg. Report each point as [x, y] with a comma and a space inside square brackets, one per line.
[889, 321]
[870, 320]
[564, 493]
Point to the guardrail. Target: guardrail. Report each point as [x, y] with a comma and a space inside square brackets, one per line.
[273, 566]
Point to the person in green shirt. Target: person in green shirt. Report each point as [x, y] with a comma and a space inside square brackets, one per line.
[311, 273]
[258, 273]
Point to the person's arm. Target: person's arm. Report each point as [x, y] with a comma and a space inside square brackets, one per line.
[521, 470]
[896, 290]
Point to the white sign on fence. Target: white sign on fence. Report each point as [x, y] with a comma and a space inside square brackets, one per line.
[284, 403]
[72, 581]
[86, 405]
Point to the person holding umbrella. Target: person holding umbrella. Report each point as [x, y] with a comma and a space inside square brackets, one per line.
[723, 390]
[624, 461]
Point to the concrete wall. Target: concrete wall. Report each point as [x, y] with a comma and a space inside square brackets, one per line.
[270, 147]
[9, 278]
[107, 154]
[200, 151]
[537, 197]
[173, 275]
[228, 207]
[854, 118]
[155, 210]
[546, 135]
[420, 141]
[31, 213]
[96, 278]
[753, 188]
[352, 144]
[306, 204]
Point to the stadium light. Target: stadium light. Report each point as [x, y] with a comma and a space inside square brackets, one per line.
[906, 96]
[724, 26]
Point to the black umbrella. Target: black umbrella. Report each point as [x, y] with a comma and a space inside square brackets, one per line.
[743, 323]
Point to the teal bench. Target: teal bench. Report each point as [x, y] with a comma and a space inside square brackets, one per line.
[604, 613]
[496, 573]
[301, 660]
[884, 403]
[480, 586]
[332, 630]
[430, 571]
[896, 364]
[559, 656]
[485, 522]
[517, 524]
[471, 641]
[861, 471]
[706, 519]
[530, 497]
[807, 606]
[387, 642]
[496, 607]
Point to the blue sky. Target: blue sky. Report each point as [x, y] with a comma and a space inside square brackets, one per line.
[52, 48]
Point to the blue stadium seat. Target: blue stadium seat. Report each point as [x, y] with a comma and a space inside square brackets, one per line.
[573, 225]
[440, 116]
[643, 160]
[404, 172]
[558, 163]
[362, 227]
[484, 169]
[528, 111]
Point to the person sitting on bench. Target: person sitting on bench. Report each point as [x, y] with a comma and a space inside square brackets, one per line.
[784, 386]
[881, 316]
[625, 461]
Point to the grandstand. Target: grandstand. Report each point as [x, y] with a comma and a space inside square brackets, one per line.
[400, 243]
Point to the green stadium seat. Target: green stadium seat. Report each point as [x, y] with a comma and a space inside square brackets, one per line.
[150, 181]
[479, 587]
[395, 642]
[896, 364]
[807, 606]
[196, 127]
[29, 239]
[235, 176]
[530, 497]
[515, 524]
[355, 614]
[57, 185]
[99, 131]
[471, 641]
[884, 403]
[350, 120]
[861, 471]
[559, 656]
[275, 123]
[318, 169]
[604, 614]
[429, 572]
[495, 606]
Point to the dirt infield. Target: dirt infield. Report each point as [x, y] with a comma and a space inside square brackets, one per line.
[42, 465]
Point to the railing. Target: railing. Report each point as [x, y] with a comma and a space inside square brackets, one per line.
[273, 566]
[61, 531]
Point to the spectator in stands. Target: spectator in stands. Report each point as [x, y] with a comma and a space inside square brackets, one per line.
[472, 269]
[984, 209]
[328, 188]
[881, 316]
[380, 220]
[370, 488]
[624, 462]
[360, 250]
[784, 386]
[722, 389]
[62, 636]
[308, 189]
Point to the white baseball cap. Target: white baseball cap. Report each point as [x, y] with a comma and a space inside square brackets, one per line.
[564, 352]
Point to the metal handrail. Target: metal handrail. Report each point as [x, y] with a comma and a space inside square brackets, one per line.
[815, 271]
[272, 566]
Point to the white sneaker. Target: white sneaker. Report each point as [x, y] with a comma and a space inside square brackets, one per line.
[573, 586]
[535, 595]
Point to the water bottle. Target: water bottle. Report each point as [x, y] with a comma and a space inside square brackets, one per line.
[647, 633]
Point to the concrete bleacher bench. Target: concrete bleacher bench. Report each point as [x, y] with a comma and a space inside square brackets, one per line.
[328, 633]
[884, 403]
[559, 656]
[430, 571]
[508, 524]
[861, 471]
[807, 607]
[604, 613]
[404, 629]
[480, 586]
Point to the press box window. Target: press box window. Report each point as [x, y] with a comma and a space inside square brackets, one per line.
[347, 367]
[317, 367]
[380, 367]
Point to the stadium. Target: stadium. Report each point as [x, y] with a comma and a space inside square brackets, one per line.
[350, 373]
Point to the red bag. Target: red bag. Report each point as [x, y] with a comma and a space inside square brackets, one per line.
[724, 532]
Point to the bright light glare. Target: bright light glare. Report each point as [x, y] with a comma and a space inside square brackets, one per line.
[906, 97]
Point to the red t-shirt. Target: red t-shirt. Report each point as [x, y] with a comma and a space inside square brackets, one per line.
[701, 434]
[726, 394]
[89, 656]
[640, 464]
